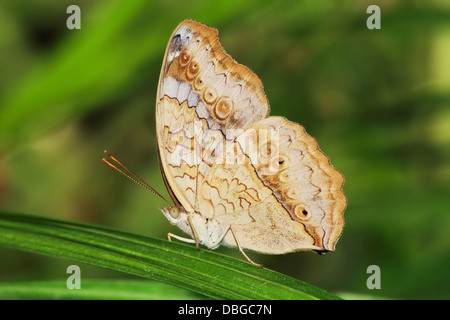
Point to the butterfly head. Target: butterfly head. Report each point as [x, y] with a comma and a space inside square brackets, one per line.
[173, 213]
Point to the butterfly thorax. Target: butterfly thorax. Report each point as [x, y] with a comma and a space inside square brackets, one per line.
[209, 231]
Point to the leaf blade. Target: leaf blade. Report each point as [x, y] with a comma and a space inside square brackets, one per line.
[207, 273]
[95, 289]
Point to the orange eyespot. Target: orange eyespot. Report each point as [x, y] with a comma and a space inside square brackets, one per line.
[210, 96]
[223, 108]
[301, 212]
[192, 70]
[283, 161]
[291, 194]
[184, 59]
[268, 149]
[199, 84]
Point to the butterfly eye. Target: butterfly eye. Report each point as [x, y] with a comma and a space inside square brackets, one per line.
[174, 212]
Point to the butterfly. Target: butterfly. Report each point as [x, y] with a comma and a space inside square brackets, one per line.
[237, 176]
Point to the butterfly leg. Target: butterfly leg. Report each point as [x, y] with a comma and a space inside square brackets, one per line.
[171, 235]
[240, 249]
[194, 233]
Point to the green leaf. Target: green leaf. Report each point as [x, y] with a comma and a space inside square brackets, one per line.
[204, 272]
[95, 289]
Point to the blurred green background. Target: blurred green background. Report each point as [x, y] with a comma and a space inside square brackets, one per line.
[376, 100]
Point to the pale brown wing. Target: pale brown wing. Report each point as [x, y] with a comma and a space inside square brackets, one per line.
[281, 195]
[201, 88]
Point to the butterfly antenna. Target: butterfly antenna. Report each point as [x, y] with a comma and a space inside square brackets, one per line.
[133, 177]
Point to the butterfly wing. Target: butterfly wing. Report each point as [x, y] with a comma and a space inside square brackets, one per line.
[202, 94]
[281, 195]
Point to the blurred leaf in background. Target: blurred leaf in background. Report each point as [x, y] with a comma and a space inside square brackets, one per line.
[376, 100]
